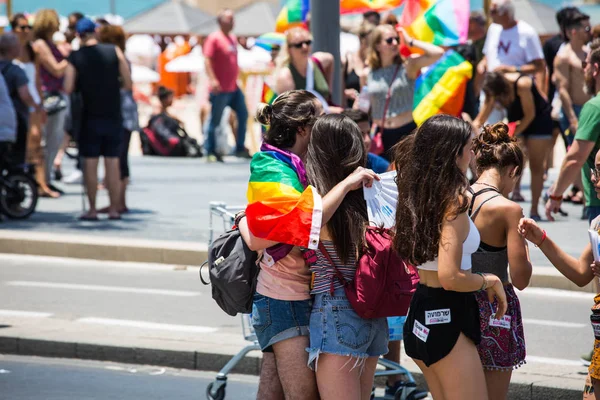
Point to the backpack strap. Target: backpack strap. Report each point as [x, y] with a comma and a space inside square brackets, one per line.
[336, 271]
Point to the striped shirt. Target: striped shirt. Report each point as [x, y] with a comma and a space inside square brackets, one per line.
[324, 273]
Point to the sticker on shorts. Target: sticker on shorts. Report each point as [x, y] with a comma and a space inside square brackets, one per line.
[438, 317]
[420, 331]
[501, 323]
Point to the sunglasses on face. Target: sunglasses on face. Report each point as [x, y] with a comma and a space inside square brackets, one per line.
[299, 45]
[391, 40]
[595, 173]
[24, 27]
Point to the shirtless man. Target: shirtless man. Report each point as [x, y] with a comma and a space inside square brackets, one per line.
[568, 75]
[568, 69]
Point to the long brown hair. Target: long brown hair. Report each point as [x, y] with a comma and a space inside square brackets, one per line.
[431, 186]
[336, 149]
[494, 148]
[373, 57]
[46, 22]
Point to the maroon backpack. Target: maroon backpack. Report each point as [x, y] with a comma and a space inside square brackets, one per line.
[383, 283]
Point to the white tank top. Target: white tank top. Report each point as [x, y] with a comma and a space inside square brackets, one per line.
[29, 69]
[470, 246]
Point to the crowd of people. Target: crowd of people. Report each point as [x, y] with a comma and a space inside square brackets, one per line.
[458, 220]
[64, 90]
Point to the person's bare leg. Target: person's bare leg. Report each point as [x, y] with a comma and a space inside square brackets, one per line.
[367, 377]
[433, 382]
[123, 195]
[516, 194]
[297, 380]
[338, 377]
[61, 151]
[497, 383]
[269, 386]
[537, 149]
[394, 356]
[90, 177]
[460, 373]
[112, 181]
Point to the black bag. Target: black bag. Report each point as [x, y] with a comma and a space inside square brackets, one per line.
[233, 269]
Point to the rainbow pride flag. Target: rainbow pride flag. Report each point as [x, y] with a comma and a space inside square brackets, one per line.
[295, 12]
[441, 22]
[281, 207]
[441, 89]
[268, 95]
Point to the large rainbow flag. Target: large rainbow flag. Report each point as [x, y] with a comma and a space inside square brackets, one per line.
[441, 89]
[441, 22]
[295, 12]
[281, 207]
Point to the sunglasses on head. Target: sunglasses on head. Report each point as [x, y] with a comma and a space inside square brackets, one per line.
[391, 40]
[300, 44]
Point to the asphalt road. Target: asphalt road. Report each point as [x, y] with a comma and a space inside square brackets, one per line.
[34, 378]
[556, 322]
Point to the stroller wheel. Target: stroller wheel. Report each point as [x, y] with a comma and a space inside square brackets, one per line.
[219, 394]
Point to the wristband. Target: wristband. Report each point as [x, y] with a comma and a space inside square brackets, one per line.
[238, 217]
[484, 284]
[544, 236]
[555, 198]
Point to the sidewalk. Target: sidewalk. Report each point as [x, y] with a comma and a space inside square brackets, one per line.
[210, 351]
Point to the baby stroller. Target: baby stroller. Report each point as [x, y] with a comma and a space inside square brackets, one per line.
[216, 389]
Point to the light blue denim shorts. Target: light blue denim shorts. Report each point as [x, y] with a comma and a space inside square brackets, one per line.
[335, 328]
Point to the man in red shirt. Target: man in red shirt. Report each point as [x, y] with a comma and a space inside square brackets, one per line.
[220, 52]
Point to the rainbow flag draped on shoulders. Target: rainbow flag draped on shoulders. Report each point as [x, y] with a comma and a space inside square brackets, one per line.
[441, 89]
[441, 22]
[281, 206]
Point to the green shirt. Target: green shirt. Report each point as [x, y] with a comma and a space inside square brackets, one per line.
[589, 130]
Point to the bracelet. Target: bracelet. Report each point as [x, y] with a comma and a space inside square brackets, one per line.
[555, 198]
[544, 236]
[238, 217]
[484, 284]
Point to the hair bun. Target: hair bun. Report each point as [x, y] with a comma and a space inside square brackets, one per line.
[264, 113]
[495, 134]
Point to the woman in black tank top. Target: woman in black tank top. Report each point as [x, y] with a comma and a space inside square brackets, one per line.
[354, 65]
[530, 110]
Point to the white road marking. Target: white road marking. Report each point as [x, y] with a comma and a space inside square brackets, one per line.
[534, 291]
[102, 288]
[559, 324]
[554, 361]
[148, 325]
[32, 314]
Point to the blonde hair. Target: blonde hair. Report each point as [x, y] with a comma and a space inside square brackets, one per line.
[373, 58]
[45, 24]
[283, 59]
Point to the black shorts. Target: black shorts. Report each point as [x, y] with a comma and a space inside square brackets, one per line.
[100, 137]
[436, 319]
[390, 137]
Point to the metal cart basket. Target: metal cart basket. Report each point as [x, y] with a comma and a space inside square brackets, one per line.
[216, 389]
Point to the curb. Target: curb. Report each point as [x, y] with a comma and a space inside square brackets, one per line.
[546, 388]
[172, 253]
[102, 248]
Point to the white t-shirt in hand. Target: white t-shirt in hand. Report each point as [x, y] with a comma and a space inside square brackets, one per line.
[516, 46]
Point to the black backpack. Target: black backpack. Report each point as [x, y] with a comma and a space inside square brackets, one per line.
[233, 269]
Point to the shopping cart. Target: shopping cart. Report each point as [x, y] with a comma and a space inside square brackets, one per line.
[216, 389]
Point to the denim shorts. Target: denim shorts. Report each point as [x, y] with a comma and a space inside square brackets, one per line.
[335, 328]
[277, 320]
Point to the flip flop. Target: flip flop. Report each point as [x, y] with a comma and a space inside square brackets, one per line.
[88, 218]
[517, 197]
[115, 218]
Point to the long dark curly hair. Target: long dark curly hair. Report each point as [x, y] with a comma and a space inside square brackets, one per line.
[336, 149]
[431, 186]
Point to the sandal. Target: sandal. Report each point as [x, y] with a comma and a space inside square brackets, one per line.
[577, 198]
[87, 217]
[517, 197]
[536, 218]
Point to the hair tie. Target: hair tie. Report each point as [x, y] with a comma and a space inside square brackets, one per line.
[269, 109]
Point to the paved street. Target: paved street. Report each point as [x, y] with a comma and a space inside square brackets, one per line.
[169, 200]
[88, 299]
[33, 378]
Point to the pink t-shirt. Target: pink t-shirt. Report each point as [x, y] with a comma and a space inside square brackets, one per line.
[222, 51]
[286, 279]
